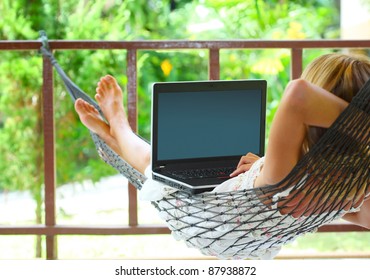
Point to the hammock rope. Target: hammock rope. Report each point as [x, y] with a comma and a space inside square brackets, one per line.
[329, 181]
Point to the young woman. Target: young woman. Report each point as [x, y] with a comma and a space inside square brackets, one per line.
[309, 106]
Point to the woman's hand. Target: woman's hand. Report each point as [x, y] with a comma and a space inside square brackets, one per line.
[245, 164]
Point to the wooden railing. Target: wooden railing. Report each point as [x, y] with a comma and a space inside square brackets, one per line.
[50, 228]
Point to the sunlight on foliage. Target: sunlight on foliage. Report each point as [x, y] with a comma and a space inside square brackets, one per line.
[295, 31]
[268, 66]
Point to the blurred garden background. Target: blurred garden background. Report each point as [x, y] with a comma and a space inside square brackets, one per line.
[89, 191]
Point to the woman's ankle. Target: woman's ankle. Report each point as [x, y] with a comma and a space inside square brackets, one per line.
[120, 126]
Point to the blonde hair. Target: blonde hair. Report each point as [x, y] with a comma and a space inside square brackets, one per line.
[340, 74]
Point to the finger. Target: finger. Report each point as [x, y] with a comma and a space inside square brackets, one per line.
[244, 160]
[251, 155]
[248, 159]
[241, 169]
[241, 162]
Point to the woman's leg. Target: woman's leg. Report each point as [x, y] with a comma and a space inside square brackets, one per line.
[90, 117]
[132, 148]
[303, 104]
[118, 133]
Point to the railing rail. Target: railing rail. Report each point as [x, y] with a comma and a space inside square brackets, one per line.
[50, 228]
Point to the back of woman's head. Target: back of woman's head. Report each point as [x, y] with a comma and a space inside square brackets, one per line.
[340, 74]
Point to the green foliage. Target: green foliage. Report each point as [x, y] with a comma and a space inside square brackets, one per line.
[20, 93]
[20, 134]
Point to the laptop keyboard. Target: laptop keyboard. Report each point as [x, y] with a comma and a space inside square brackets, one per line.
[223, 172]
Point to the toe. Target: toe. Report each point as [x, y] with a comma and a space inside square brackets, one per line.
[106, 85]
[111, 81]
[79, 105]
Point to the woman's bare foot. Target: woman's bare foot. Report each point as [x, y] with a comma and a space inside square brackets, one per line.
[90, 117]
[110, 99]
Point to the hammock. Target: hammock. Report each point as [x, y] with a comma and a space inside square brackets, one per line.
[331, 180]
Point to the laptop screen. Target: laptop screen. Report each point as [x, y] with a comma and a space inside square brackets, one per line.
[213, 119]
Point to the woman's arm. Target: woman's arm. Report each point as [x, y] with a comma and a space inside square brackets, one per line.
[303, 104]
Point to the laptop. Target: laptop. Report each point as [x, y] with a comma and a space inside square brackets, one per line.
[201, 129]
